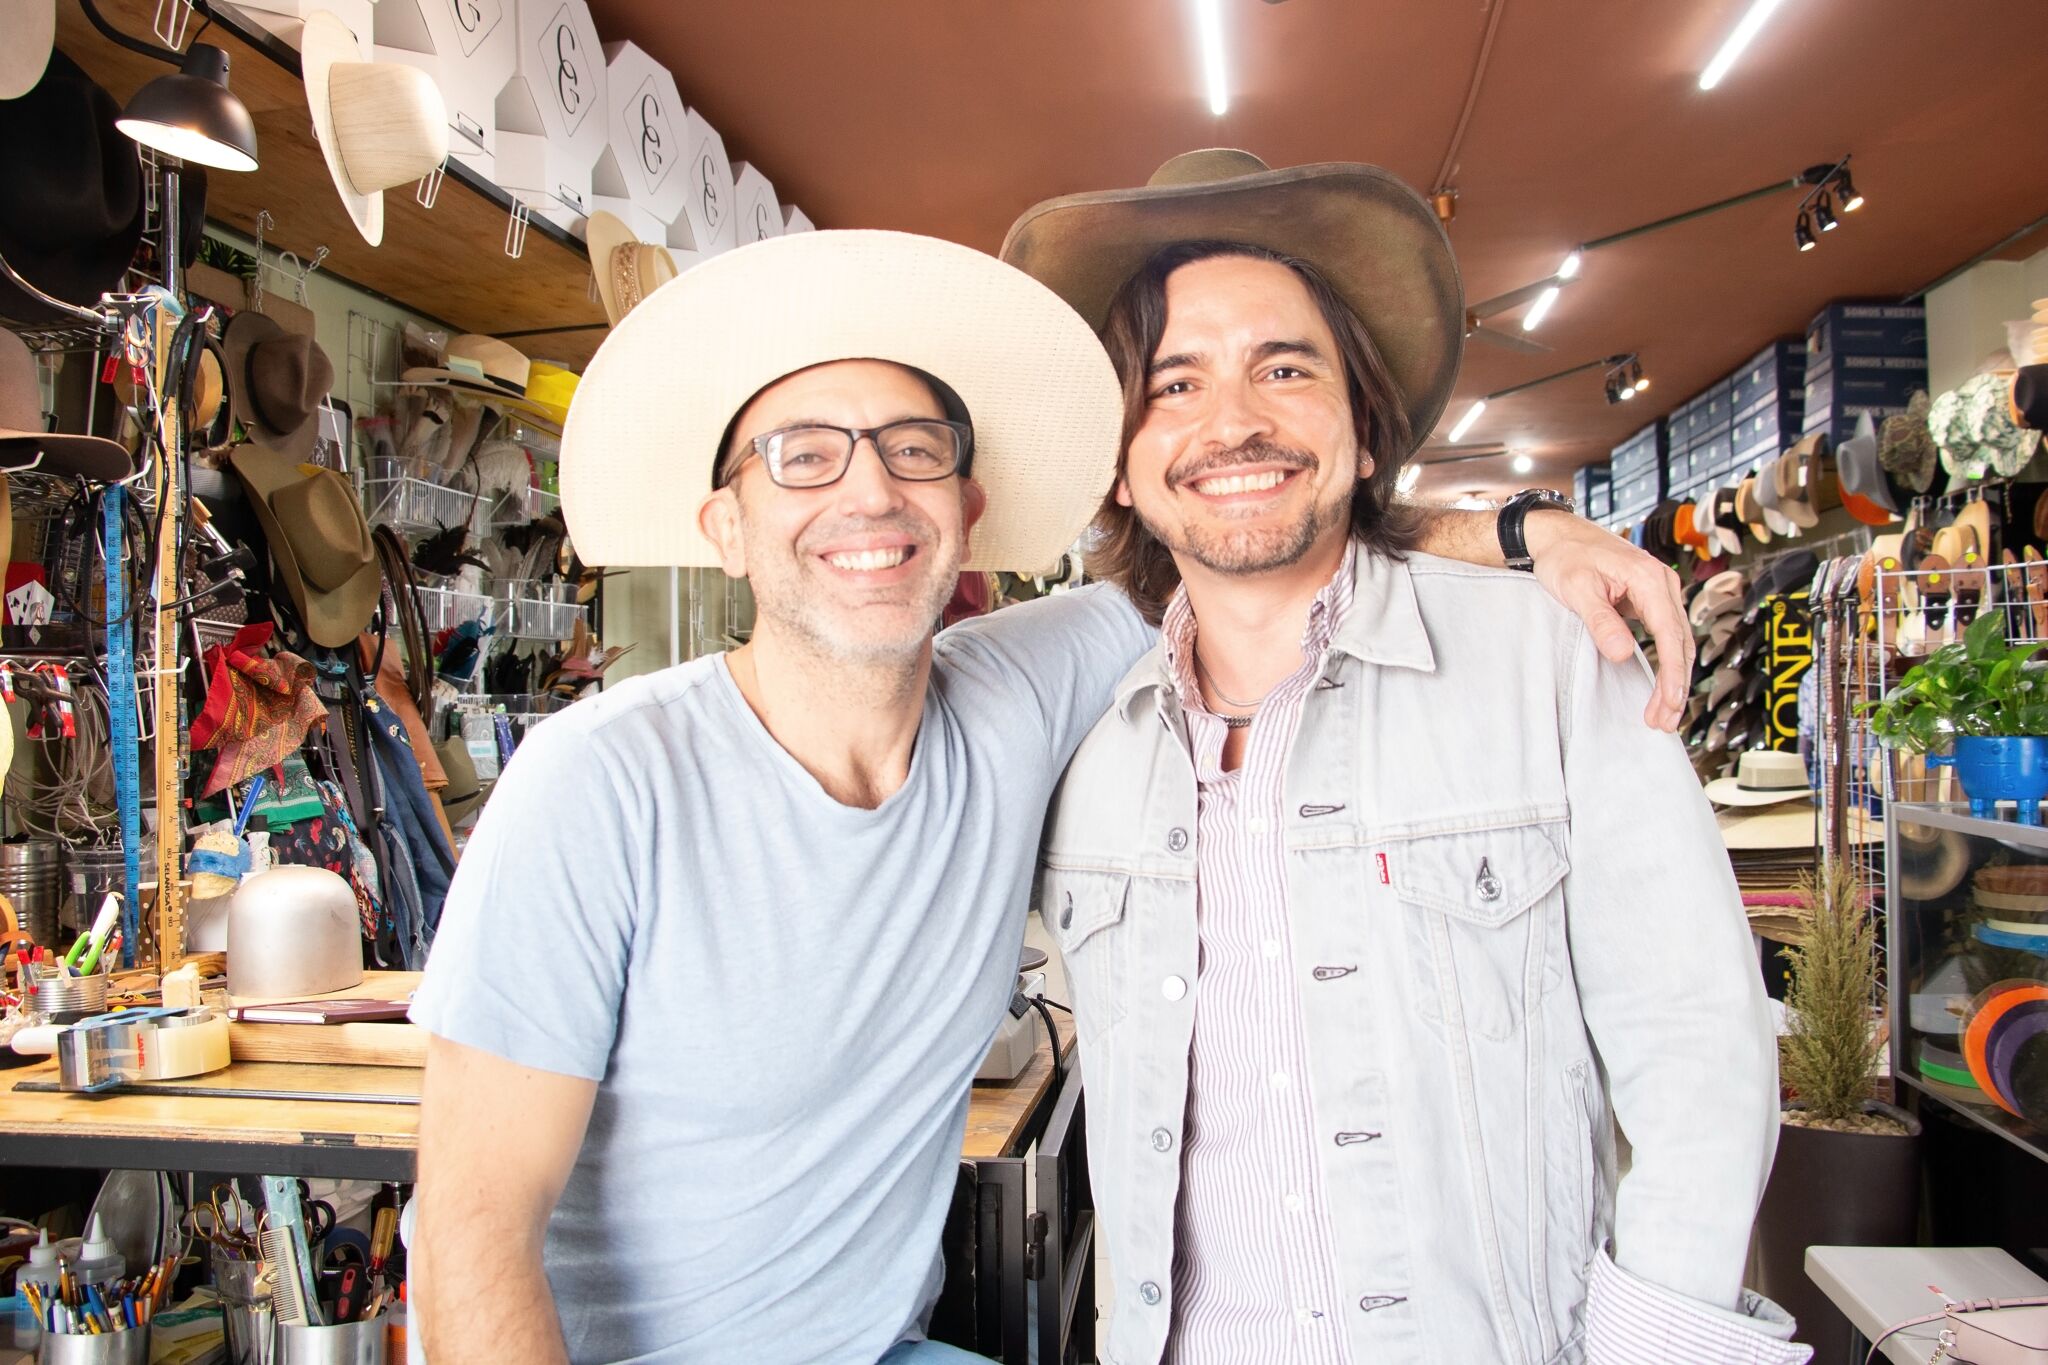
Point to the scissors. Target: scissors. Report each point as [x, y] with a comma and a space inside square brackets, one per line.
[229, 1222]
[318, 1213]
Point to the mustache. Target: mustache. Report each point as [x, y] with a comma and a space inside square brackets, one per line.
[1201, 466]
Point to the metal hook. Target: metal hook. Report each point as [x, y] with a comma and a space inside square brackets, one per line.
[515, 228]
[429, 190]
[173, 18]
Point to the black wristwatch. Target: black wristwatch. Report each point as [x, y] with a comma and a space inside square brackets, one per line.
[1513, 546]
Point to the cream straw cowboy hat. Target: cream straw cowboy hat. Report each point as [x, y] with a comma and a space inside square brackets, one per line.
[379, 124]
[643, 436]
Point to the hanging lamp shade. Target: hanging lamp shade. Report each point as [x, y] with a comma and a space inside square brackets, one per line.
[192, 115]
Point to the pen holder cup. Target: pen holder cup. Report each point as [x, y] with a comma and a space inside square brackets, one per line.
[245, 1309]
[345, 1343]
[67, 999]
[109, 1348]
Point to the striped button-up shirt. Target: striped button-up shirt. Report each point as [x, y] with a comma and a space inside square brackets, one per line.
[1255, 1268]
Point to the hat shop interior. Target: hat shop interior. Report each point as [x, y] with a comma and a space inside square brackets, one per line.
[297, 294]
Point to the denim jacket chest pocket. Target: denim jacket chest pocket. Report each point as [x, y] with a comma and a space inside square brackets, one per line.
[1084, 912]
[1483, 910]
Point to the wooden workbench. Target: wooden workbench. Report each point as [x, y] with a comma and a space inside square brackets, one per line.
[361, 1140]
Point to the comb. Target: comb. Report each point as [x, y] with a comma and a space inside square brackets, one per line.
[288, 1304]
[285, 1245]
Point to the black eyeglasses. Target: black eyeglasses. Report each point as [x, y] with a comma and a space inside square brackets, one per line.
[918, 450]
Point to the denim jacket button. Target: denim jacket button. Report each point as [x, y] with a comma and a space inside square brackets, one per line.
[1161, 1140]
[1149, 1292]
[1173, 988]
[1176, 840]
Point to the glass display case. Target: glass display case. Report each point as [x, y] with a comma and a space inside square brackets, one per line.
[1968, 965]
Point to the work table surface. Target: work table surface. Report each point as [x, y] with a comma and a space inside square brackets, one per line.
[345, 1139]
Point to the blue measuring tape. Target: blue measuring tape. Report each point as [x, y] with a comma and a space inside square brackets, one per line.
[122, 700]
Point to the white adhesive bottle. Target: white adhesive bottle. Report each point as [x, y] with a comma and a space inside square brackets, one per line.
[41, 1271]
[99, 1260]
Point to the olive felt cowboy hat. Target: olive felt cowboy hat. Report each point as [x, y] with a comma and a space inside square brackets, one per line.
[276, 380]
[1380, 246]
[319, 541]
[644, 433]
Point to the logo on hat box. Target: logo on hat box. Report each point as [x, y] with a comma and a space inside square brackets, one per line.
[474, 20]
[760, 213]
[707, 225]
[567, 55]
[655, 137]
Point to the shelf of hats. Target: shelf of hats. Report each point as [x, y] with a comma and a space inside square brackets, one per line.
[300, 369]
[1859, 516]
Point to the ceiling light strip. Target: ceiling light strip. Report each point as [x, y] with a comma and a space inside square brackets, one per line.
[1209, 34]
[1745, 31]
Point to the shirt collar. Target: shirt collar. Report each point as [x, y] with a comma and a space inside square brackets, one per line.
[1381, 624]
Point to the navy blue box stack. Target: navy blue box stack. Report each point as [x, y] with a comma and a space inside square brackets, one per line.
[1636, 470]
[1591, 485]
[1700, 445]
[1770, 403]
[1862, 357]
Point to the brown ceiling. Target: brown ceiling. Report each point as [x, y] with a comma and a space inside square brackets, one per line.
[951, 116]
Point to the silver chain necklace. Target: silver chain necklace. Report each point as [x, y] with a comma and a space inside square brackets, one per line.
[1229, 722]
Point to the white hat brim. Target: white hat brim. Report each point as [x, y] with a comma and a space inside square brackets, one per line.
[1728, 791]
[327, 42]
[643, 432]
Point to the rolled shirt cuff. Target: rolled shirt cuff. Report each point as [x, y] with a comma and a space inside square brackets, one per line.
[1630, 1321]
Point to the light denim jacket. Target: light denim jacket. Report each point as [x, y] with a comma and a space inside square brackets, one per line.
[1547, 939]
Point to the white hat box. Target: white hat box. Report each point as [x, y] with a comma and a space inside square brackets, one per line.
[552, 125]
[645, 160]
[760, 215]
[794, 219]
[468, 47]
[707, 224]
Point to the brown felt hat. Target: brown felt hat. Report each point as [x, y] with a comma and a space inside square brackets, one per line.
[23, 442]
[276, 380]
[1376, 241]
[319, 541]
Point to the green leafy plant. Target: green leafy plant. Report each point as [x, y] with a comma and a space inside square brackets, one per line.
[1979, 685]
[1831, 1049]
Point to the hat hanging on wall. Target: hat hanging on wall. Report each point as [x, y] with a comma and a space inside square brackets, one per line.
[31, 29]
[2030, 396]
[379, 124]
[1905, 446]
[319, 540]
[276, 380]
[74, 236]
[24, 444]
[1867, 492]
[627, 269]
[486, 367]
[1763, 777]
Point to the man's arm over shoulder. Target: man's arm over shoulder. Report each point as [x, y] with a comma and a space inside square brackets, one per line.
[497, 1143]
[1673, 998]
[1057, 659]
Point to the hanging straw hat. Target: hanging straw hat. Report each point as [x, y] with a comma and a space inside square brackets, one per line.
[379, 124]
[627, 269]
[643, 437]
[31, 29]
[1380, 246]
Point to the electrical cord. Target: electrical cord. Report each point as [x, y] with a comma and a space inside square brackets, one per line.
[1052, 1032]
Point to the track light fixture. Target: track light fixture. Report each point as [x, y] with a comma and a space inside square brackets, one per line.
[1824, 213]
[1851, 201]
[1803, 234]
[1817, 209]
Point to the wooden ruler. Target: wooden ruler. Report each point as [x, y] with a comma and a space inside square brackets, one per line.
[170, 731]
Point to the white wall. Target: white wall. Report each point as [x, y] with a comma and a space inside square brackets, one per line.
[1966, 317]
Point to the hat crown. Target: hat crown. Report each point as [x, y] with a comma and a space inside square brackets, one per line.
[1206, 167]
[288, 375]
[21, 407]
[389, 123]
[1768, 769]
[321, 518]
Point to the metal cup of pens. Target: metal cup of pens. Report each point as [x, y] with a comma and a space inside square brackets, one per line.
[64, 998]
[344, 1343]
[246, 1313]
[105, 1348]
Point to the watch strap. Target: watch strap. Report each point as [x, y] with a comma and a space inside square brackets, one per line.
[1514, 544]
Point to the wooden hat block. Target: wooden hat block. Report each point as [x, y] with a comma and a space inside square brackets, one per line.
[707, 224]
[760, 214]
[388, 124]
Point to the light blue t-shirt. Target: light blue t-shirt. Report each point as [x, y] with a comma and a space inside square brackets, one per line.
[784, 999]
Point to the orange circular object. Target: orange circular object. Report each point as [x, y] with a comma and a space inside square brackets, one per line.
[1990, 1005]
[1683, 529]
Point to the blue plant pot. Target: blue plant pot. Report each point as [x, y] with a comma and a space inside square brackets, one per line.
[2000, 768]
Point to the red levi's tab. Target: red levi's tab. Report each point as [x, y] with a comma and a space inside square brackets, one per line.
[1385, 880]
